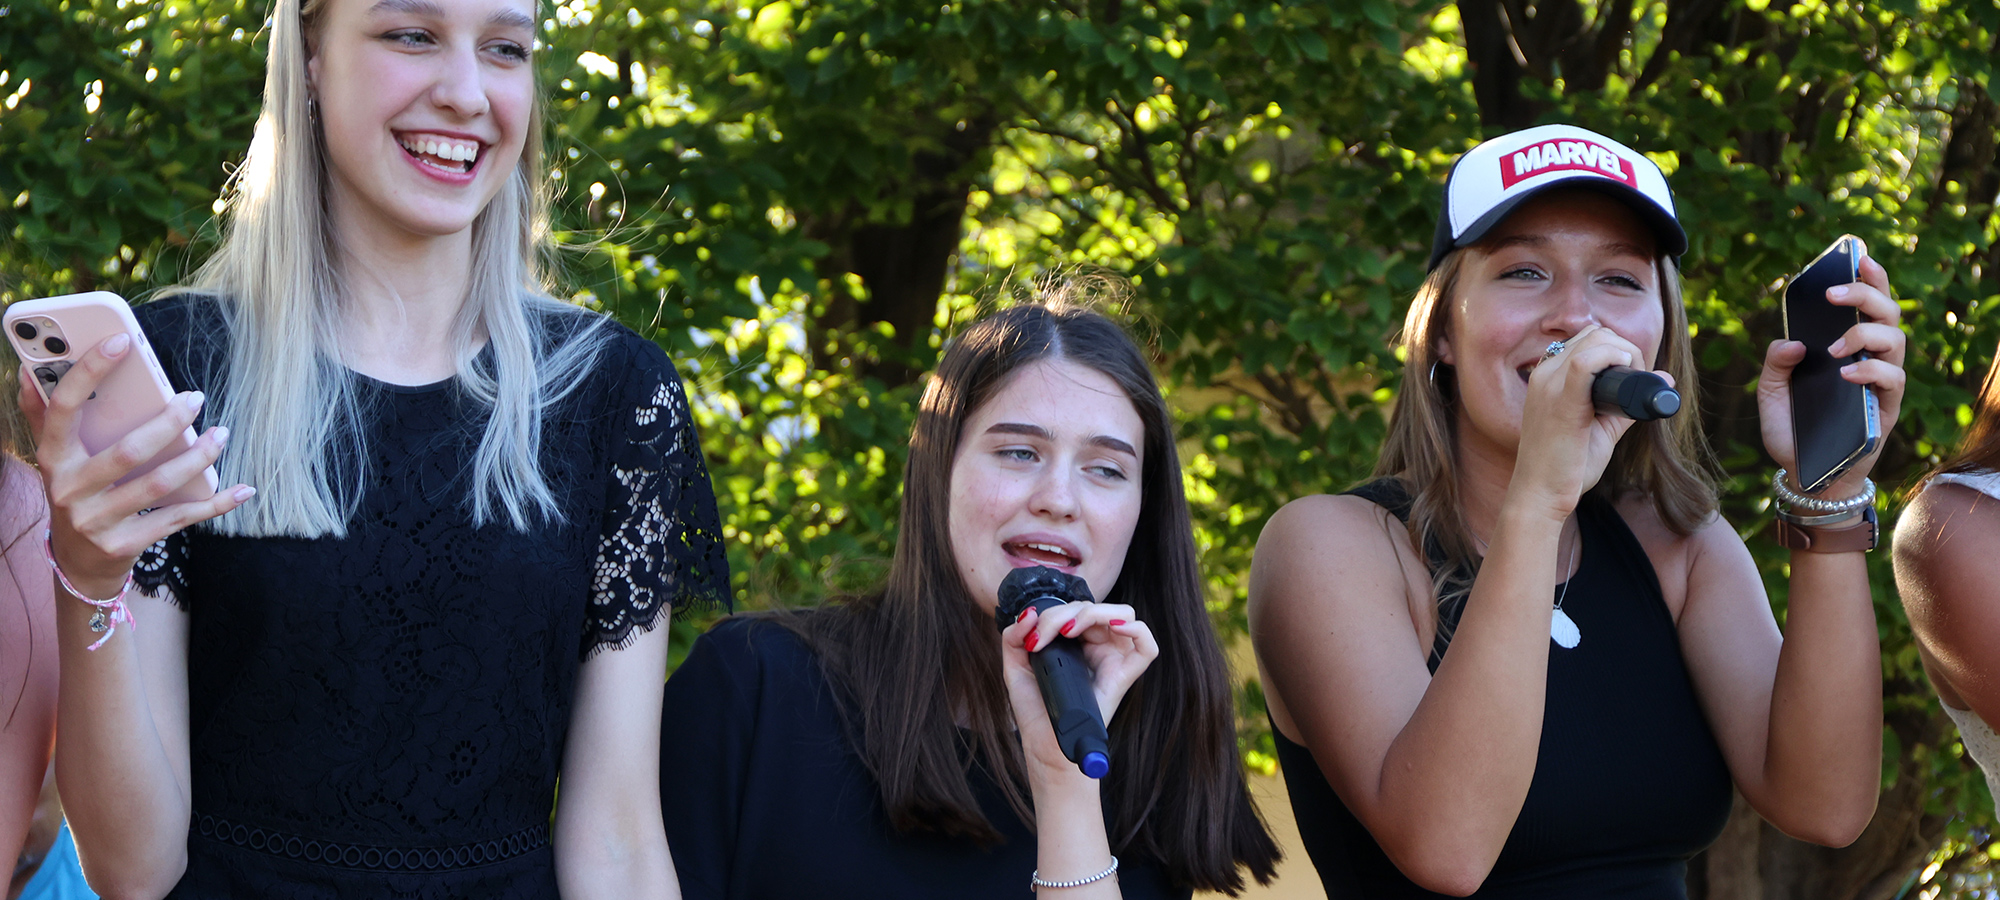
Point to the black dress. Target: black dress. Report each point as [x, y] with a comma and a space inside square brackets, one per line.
[383, 715]
[1629, 781]
[766, 799]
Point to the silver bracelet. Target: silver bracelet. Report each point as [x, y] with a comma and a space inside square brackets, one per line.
[1851, 515]
[1035, 882]
[1792, 498]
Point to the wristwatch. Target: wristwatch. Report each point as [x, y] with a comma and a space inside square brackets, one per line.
[1815, 539]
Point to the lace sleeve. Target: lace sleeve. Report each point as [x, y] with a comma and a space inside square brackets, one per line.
[164, 564]
[661, 541]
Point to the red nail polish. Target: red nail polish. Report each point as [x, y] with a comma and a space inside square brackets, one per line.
[1117, 621]
[1067, 628]
[1024, 614]
[1031, 641]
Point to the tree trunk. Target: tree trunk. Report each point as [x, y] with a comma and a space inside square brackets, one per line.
[902, 265]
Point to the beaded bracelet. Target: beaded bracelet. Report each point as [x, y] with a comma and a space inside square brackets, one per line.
[1793, 498]
[1035, 881]
[110, 613]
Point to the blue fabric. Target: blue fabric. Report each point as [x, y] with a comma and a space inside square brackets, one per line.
[61, 876]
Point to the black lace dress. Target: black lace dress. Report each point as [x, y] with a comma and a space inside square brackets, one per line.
[383, 714]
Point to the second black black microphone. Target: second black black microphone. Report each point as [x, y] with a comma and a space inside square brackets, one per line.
[1060, 668]
[1634, 394]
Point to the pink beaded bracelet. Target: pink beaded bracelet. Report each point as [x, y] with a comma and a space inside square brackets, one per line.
[109, 612]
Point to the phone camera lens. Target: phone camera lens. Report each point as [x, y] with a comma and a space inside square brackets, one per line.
[56, 345]
[26, 330]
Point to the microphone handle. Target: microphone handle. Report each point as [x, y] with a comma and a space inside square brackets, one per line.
[1634, 394]
[1065, 678]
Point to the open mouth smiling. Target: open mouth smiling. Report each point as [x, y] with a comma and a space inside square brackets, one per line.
[453, 155]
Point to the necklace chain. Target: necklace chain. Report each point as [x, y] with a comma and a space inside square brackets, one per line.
[1568, 576]
[1565, 573]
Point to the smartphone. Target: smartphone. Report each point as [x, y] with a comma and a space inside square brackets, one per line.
[1835, 422]
[52, 333]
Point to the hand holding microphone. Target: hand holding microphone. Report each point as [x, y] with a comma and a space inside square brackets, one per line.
[1060, 668]
[1624, 391]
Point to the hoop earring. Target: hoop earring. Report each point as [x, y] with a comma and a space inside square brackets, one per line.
[1435, 385]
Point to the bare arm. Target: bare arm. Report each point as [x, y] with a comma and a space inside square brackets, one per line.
[122, 747]
[609, 838]
[122, 713]
[27, 655]
[1946, 543]
[1346, 664]
[1798, 716]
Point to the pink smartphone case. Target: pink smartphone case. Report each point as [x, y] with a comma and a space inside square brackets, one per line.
[135, 391]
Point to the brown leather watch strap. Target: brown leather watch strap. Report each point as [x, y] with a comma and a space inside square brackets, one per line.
[1815, 539]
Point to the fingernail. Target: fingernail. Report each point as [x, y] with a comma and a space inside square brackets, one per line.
[244, 493]
[1024, 614]
[1837, 291]
[1067, 628]
[1117, 621]
[194, 400]
[221, 436]
[1032, 640]
[1850, 369]
[1838, 348]
[117, 345]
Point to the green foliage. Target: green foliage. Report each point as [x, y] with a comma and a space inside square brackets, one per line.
[741, 177]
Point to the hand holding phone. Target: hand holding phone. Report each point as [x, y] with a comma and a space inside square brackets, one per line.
[100, 376]
[52, 334]
[1838, 376]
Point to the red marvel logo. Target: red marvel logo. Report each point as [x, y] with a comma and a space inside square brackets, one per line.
[1557, 156]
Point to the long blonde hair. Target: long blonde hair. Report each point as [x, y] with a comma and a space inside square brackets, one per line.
[1665, 460]
[293, 414]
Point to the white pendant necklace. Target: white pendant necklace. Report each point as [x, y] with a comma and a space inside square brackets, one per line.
[1562, 628]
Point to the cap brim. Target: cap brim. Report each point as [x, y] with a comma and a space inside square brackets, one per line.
[1666, 230]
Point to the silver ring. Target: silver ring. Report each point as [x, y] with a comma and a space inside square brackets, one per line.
[1552, 349]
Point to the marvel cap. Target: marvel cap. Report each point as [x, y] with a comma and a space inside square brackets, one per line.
[1490, 180]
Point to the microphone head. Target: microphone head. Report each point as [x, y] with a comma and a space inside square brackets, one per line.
[1633, 393]
[1095, 764]
[1664, 403]
[1023, 586]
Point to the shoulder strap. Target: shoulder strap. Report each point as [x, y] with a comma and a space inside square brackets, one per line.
[1388, 493]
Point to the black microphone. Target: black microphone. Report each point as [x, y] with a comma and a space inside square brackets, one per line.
[1634, 394]
[1060, 668]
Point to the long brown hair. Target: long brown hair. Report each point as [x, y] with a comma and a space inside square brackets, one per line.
[1980, 449]
[904, 659]
[1664, 460]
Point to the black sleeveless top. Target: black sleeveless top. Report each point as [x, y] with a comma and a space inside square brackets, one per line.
[1628, 782]
[383, 714]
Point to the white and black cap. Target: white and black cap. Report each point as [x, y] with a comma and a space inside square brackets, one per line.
[1490, 180]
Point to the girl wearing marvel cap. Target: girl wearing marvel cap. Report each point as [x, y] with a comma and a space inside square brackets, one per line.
[1529, 659]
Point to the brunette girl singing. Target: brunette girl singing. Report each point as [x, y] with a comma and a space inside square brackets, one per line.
[895, 744]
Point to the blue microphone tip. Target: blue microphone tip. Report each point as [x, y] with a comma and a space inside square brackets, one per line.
[1095, 764]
